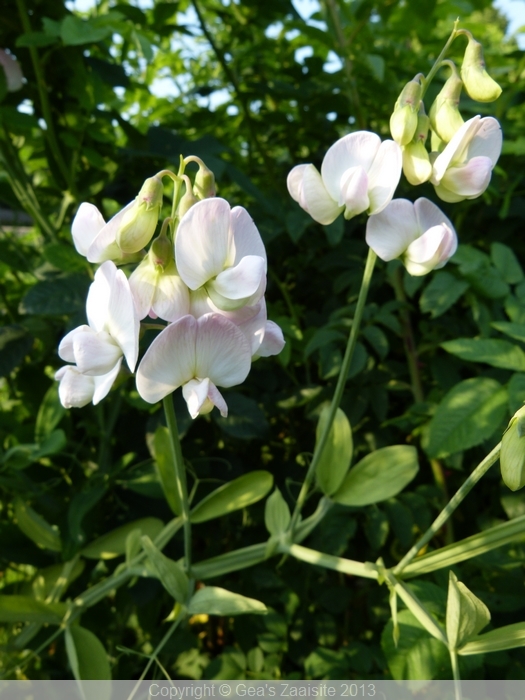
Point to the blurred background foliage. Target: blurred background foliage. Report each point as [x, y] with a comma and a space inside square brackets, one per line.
[115, 93]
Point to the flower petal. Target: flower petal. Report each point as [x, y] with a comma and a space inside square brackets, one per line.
[469, 180]
[430, 250]
[172, 297]
[384, 175]
[195, 394]
[142, 283]
[75, 389]
[217, 399]
[456, 150]
[95, 353]
[241, 281]
[487, 140]
[294, 182]
[273, 341]
[104, 383]
[429, 214]
[86, 225]
[97, 303]
[66, 350]
[222, 352]
[104, 246]
[169, 361]
[245, 236]
[354, 191]
[122, 322]
[315, 198]
[390, 233]
[203, 241]
[355, 149]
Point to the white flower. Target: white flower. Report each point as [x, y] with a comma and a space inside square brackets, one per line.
[97, 349]
[199, 355]
[358, 173]
[420, 234]
[93, 237]
[159, 292]
[220, 249]
[463, 169]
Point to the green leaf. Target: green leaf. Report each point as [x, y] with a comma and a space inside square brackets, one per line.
[36, 528]
[276, 513]
[468, 414]
[65, 295]
[322, 337]
[22, 608]
[335, 459]
[15, 344]
[417, 656]
[467, 615]
[76, 31]
[506, 263]
[166, 469]
[237, 494]
[514, 330]
[512, 455]
[212, 600]
[170, 573]
[34, 39]
[86, 654]
[508, 637]
[113, 544]
[335, 231]
[497, 353]
[442, 292]
[49, 414]
[516, 388]
[50, 575]
[378, 476]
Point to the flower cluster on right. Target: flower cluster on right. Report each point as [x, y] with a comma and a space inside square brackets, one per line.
[359, 173]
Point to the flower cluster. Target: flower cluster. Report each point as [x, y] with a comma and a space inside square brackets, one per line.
[205, 275]
[359, 173]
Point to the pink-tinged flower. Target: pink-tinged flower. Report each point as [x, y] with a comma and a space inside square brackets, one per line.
[420, 234]
[220, 249]
[12, 70]
[97, 349]
[358, 173]
[464, 168]
[199, 355]
[94, 238]
[159, 292]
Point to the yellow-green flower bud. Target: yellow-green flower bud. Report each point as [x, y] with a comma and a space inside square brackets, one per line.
[187, 200]
[161, 252]
[512, 456]
[403, 122]
[478, 83]
[140, 221]
[444, 113]
[416, 163]
[204, 185]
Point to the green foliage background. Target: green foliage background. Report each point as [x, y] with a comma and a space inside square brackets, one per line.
[249, 91]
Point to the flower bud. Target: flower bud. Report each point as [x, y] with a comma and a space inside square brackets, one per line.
[416, 163]
[161, 252]
[187, 200]
[478, 83]
[139, 223]
[13, 73]
[403, 122]
[444, 113]
[204, 185]
[512, 456]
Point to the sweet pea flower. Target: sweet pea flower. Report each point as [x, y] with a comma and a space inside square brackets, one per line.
[358, 173]
[157, 289]
[97, 349]
[420, 234]
[220, 249]
[199, 355]
[463, 169]
[94, 238]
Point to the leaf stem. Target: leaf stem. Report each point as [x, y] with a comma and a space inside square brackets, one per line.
[451, 506]
[339, 389]
[180, 476]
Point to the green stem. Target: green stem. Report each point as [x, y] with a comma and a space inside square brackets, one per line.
[328, 561]
[180, 476]
[454, 661]
[451, 506]
[339, 389]
[437, 63]
[154, 655]
[44, 102]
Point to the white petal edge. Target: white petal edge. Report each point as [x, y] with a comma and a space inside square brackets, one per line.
[384, 175]
[390, 232]
[86, 225]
